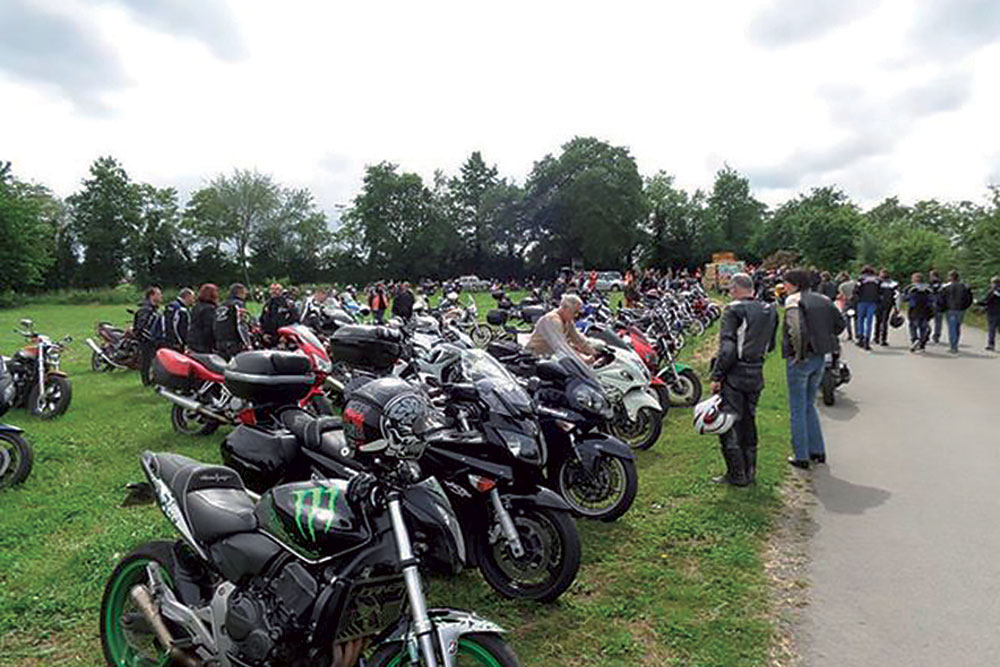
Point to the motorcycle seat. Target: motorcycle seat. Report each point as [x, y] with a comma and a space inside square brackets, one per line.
[212, 498]
[212, 362]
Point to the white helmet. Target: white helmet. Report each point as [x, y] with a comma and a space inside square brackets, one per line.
[711, 419]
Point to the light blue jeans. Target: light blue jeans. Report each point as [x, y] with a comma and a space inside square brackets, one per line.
[955, 318]
[804, 379]
[866, 320]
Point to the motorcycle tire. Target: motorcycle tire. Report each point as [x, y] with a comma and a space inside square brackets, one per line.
[481, 335]
[645, 432]
[559, 555]
[605, 494]
[664, 396]
[16, 459]
[487, 650]
[58, 394]
[122, 645]
[196, 424]
[691, 394]
[829, 388]
[97, 363]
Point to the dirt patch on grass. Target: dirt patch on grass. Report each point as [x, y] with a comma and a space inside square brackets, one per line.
[786, 561]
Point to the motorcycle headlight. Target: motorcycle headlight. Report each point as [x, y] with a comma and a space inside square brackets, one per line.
[522, 445]
[591, 400]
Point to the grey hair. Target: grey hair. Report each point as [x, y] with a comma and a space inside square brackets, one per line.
[742, 280]
[186, 292]
[571, 301]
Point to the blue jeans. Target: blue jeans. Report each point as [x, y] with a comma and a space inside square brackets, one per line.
[955, 318]
[804, 379]
[866, 320]
[993, 322]
[920, 330]
[938, 316]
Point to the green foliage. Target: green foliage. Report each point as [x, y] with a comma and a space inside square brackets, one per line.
[27, 238]
[734, 213]
[906, 250]
[677, 225]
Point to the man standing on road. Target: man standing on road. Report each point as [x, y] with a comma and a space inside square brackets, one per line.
[846, 302]
[812, 324]
[555, 332]
[147, 325]
[920, 298]
[746, 335]
[888, 303]
[866, 295]
[956, 297]
[992, 304]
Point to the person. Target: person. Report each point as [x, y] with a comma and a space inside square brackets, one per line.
[402, 305]
[312, 309]
[956, 297]
[887, 306]
[812, 324]
[555, 332]
[147, 326]
[846, 302]
[232, 323]
[746, 334]
[991, 302]
[177, 319]
[279, 311]
[919, 298]
[377, 303]
[866, 295]
[201, 331]
[936, 284]
[827, 287]
[592, 281]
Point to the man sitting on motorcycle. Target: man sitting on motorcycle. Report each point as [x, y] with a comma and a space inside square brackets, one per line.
[556, 333]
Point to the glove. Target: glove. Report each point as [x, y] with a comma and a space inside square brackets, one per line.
[362, 488]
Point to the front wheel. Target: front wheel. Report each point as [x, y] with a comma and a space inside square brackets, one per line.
[604, 493]
[641, 432]
[477, 649]
[481, 335]
[686, 388]
[192, 422]
[829, 388]
[550, 561]
[58, 393]
[126, 637]
[16, 458]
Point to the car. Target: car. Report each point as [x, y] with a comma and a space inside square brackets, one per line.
[473, 283]
[610, 281]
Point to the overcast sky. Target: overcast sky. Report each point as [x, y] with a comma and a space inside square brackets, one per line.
[879, 97]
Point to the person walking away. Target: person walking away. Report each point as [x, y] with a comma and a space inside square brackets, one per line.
[866, 294]
[556, 333]
[378, 303]
[991, 302]
[956, 297]
[147, 325]
[936, 284]
[888, 305]
[919, 298]
[279, 311]
[232, 323]
[845, 301]
[827, 287]
[746, 334]
[402, 305]
[812, 325]
[201, 331]
[177, 319]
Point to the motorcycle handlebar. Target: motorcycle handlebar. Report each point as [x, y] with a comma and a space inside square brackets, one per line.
[314, 432]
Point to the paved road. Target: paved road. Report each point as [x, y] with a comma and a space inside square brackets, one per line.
[906, 550]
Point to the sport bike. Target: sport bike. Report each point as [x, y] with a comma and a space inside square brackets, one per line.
[39, 384]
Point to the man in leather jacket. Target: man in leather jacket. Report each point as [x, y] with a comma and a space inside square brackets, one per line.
[747, 334]
[232, 323]
[279, 311]
[147, 326]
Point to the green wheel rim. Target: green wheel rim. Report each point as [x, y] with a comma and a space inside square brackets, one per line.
[467, 648]
[121, 651]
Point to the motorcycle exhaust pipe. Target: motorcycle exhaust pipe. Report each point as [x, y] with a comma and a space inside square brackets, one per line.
[140, 595]
[93, 346]
[190, 404]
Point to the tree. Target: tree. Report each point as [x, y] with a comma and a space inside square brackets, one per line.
[158, 254]
[25, 253]
[106, 214]
[674, 224]
[733, 211]
[466, 199]
[292, 242]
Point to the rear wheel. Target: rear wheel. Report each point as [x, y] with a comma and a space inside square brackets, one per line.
[641, 432]
[126, 636]
[16, 458]
[829, 388]
[478, 649]
[604, 493]
[192, 422]
[58, 393]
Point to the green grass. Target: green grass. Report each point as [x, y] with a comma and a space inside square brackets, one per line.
[677, 581]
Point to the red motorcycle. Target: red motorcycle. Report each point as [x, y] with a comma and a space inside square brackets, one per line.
[195, 383]
[675, 383]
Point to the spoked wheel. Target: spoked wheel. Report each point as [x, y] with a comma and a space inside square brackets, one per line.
[481, 335]
[126, 637]
[474, 650]
[605, 493]
[550, 561]
[192, 422]
[58, 393]
[641, 432]
[686, 388]
[15, 459]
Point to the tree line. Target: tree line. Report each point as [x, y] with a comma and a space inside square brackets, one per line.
[589, 204]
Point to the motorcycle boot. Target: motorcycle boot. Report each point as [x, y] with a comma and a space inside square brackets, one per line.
[736, 471]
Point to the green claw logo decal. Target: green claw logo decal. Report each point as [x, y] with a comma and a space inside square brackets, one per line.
[315, 507]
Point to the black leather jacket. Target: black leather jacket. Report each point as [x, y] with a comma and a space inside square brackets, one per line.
[818, 323]
[746, 335]
[201, 331]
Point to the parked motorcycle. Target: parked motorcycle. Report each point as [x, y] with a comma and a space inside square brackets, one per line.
[39, 384]
[16, 455]
[675, 383]
[118, 348]
[638, 414]
[314, 573]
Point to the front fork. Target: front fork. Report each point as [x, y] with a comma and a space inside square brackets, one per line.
[423, 628]
[40, 402]
[506, 524]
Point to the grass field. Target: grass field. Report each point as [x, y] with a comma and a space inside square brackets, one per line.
[677, 581]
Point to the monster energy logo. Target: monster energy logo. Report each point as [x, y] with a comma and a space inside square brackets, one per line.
[315, 507]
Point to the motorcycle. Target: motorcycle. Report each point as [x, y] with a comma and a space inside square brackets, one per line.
[119, 348]
[467, 320]
[16, 456]
[315, 573]
[638, 413]
[202, 399]
[675, 383]
[39, 384]
[836, 373]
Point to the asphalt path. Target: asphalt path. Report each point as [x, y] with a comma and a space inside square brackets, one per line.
[905, 546]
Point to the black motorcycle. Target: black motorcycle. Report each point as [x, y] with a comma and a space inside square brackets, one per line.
[836, 373]
[15, 453]
[39, 384]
